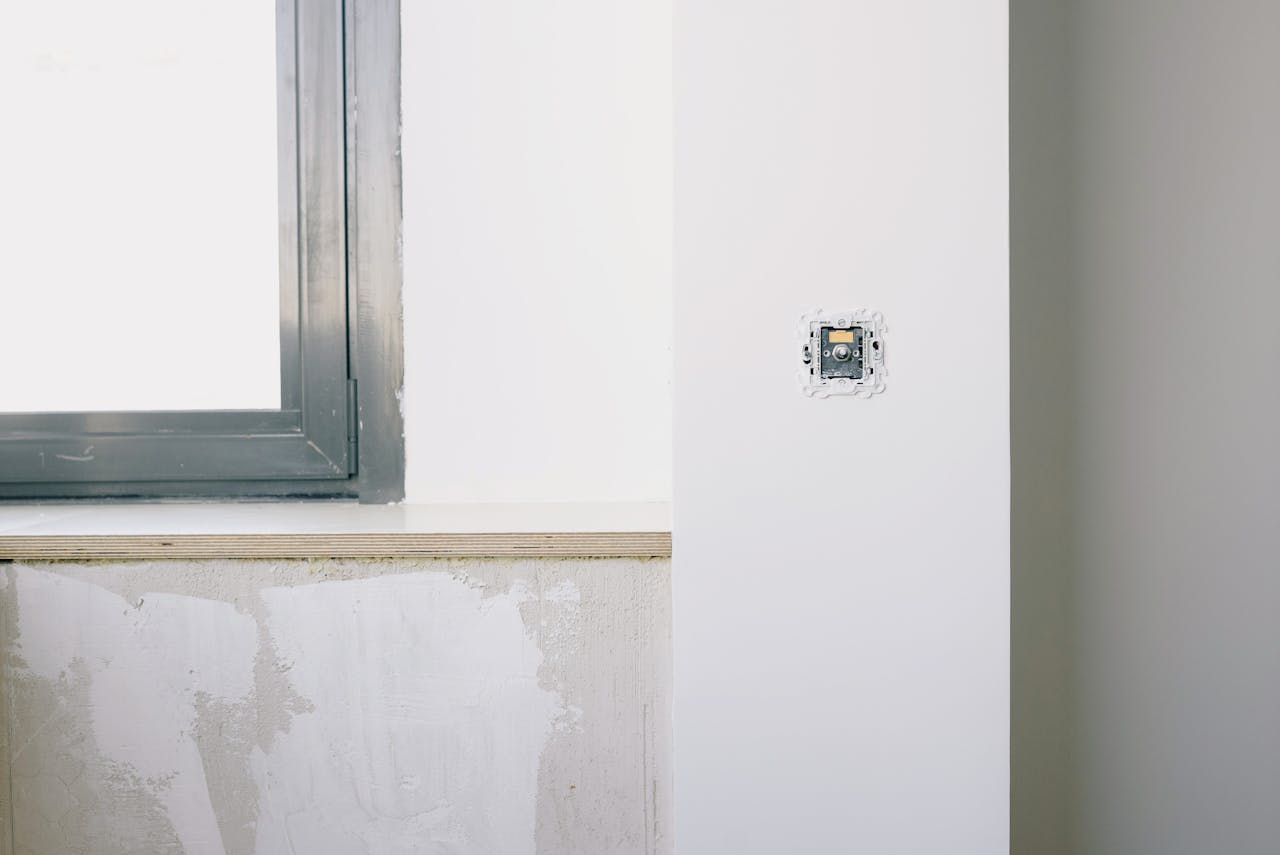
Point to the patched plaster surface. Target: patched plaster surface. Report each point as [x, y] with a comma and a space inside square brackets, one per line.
[336, 707]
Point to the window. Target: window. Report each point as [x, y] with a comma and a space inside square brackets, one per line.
[159, 201]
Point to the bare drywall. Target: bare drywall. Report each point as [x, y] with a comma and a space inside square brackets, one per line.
[337, 707]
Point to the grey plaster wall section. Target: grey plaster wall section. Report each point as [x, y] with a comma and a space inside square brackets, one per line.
[1177, 547]
[337, 707]
[1041, 409]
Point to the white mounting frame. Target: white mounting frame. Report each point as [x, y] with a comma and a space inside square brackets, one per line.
[874, 374]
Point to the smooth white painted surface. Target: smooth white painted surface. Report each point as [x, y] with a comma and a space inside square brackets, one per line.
[329, 518]
[841, 578]
[139, 221]
[537, 241]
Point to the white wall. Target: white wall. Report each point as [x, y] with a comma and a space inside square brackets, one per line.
[841, 585]
[537, 242]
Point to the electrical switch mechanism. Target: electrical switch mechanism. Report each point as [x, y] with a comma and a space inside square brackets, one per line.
[842, 353]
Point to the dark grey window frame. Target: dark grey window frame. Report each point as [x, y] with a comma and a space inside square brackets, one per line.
[339, 432]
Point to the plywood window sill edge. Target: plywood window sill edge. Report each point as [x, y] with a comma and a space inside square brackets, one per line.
[208, 531]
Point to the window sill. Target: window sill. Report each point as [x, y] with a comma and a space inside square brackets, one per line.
[333, 530]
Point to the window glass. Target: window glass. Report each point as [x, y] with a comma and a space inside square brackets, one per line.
[139, 237]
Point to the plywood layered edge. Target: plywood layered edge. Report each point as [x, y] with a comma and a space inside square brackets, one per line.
[636, 544]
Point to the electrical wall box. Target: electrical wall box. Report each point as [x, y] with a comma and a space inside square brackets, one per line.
[842, 353]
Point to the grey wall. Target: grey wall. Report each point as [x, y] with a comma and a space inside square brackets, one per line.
[351, 708]
[1042, 382]
[1172, 577]
[1177, 589]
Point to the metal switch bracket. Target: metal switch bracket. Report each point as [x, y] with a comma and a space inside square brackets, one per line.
[842, 353]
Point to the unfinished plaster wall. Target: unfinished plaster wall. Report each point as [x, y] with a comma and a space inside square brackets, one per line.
[486, 706]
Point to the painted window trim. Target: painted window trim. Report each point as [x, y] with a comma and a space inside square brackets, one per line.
[341, 333]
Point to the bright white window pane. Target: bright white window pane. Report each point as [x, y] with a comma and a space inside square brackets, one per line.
[138, 206]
